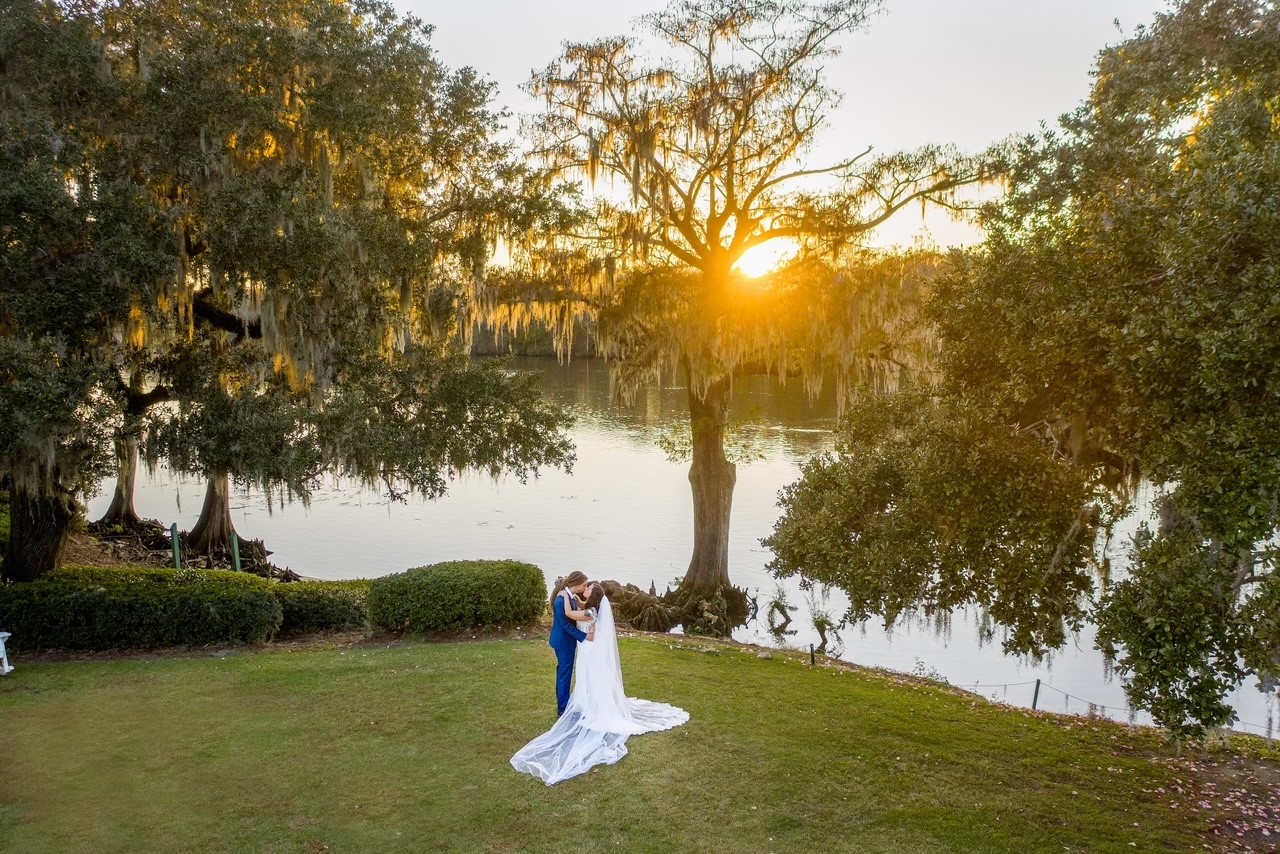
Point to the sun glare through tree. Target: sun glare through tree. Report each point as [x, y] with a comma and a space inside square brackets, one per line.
[765, 258]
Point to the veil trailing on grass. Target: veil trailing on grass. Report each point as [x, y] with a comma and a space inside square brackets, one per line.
[600, 716]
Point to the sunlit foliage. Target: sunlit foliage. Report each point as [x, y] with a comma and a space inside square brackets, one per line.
[263, 198]
[696, 135]
[1124, 316]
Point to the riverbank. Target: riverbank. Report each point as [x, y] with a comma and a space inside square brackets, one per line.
[626, 513]
[347, 744]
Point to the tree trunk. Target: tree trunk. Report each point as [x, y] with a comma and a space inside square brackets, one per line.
[121, 513]
[213, 529]
[712, 478]
[38, 529]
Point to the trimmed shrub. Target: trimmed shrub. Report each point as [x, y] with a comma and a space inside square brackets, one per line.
[323, 606]
[89, 575]
[67, 614]
[458, 595]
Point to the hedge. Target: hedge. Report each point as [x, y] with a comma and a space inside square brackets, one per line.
[458, 595]
[89, 575]
[319, 606]
[62, 613]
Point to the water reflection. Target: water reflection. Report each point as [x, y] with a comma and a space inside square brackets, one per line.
[787, 423]
[626, 513]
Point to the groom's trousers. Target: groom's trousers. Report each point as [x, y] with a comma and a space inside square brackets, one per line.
[564, 674]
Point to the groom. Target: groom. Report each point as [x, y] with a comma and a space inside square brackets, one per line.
[565, 634]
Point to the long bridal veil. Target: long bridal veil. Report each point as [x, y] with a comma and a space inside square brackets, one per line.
[600, 716]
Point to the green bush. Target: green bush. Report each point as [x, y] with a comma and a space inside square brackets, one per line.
[60, 613]
[321, 606]
[87, 575]
[458, 595]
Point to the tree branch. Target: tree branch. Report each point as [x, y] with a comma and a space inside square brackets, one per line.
[218, 318]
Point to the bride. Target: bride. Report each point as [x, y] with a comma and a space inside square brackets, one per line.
[595, 725]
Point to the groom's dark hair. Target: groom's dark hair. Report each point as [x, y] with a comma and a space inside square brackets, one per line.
[573, 579]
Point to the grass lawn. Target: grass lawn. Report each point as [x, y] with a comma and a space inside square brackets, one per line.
[405, 747]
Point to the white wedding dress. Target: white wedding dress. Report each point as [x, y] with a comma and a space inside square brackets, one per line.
[599, 718]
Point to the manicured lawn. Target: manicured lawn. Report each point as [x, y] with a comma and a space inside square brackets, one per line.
[405, 748]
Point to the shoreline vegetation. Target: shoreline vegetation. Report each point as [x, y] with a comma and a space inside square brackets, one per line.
[347, 742]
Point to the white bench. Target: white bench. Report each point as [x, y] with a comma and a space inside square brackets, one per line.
[5, 667]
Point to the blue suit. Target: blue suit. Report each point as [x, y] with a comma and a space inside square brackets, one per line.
[565, 635]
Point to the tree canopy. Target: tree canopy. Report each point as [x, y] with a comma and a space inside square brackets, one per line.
[249, 204]
[706, 123]
[79, 238]
[1119, 326]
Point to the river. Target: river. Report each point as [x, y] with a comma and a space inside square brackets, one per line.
[625, 513]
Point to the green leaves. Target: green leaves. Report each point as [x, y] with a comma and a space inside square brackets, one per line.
[1121, 321]
[1177, 628]
[238, 208]
[322, 606]
[340, 189]
[458, 595]
[925, 508]
[78, 239]
[414, 421]
[138, 609]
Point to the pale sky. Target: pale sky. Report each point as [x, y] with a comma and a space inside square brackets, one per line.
[967, 72]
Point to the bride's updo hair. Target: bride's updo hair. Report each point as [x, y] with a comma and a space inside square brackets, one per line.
[573, 579]
[594, 594]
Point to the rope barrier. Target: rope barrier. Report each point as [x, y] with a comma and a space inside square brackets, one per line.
[1266, 731]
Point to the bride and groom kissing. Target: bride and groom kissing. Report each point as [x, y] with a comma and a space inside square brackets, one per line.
[571, 623]
[596, 717]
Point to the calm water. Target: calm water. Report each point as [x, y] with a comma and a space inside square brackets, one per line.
[626, 513]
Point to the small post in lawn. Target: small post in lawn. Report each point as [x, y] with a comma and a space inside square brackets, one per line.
[235, 551]
[1035, 698]
[813, 662]
[177, 550]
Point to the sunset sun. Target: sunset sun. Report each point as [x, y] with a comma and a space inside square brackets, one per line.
[765, 258]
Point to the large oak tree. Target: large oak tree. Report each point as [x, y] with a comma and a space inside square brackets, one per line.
[708, 151]
[257, 210]
[80, 239]
[1120, 324]
[331, 185]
